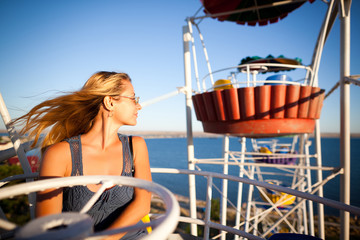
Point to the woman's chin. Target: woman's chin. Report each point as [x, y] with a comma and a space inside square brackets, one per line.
[132, 123]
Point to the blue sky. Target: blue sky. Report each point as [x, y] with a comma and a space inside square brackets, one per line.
[51, 46]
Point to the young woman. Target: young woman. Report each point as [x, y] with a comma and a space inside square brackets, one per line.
[83, 139]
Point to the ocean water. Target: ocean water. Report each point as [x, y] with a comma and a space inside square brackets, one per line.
[172, 153]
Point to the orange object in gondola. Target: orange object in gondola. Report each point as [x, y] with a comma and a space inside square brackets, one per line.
[262, 111]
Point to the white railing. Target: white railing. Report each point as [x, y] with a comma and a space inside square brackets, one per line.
[162, 226]
[165, 224]
[251, 70]
[207, 223]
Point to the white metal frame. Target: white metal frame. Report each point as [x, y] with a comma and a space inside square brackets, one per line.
[210, 176]
[335, 7]
[20, 151]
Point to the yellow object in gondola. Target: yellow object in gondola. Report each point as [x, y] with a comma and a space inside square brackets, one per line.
[275, 196]
[146, 219]
[265, 150]
[223, 84]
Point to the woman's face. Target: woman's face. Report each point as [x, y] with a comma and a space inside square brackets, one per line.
[125, 107]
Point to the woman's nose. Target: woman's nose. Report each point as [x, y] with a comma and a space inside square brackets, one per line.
[139, 107]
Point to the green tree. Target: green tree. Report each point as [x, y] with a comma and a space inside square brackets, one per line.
[16, 209]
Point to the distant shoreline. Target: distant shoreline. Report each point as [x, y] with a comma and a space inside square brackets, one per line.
[181, 134]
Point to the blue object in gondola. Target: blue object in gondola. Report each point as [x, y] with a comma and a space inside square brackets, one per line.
[278, 77]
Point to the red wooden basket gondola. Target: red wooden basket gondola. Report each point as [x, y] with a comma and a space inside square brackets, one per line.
[262, 111]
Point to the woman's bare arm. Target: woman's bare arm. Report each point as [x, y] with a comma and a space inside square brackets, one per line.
[55, 163]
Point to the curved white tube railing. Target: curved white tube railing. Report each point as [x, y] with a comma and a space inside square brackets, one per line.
[162, 226]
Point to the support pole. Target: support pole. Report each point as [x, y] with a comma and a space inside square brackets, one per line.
[304, 226]
[223, 215]
[189, 133]
[240, 186]
[249, 201]
[309, 187]
[345, 116]
[325, 29]
[208, 207]
[319, 179]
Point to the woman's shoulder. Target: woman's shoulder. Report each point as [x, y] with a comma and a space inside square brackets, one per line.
[138, 142]
[138, 139]
[57, 158]
[58, 148]
[134, 139]
[140, 148]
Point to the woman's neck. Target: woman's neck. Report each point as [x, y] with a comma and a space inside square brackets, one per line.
[103, 133]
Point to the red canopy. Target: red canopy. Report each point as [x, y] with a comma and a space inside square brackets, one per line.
[250, 11]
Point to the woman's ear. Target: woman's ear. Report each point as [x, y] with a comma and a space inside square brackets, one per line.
[108, 103]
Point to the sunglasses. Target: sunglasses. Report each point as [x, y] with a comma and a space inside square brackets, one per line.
[135, 99]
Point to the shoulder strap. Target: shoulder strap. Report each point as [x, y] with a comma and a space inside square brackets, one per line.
[130, 145]
[76, 159]
[132, 154]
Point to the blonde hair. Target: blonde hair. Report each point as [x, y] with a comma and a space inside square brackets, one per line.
[71, 114]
